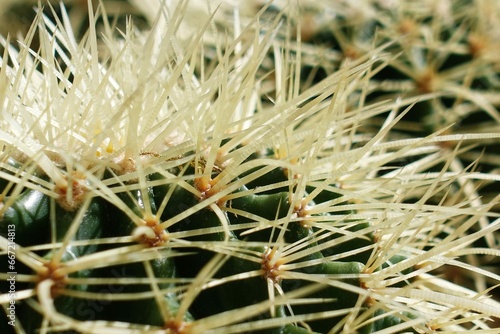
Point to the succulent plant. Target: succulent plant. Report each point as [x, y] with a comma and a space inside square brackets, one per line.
[152, 182]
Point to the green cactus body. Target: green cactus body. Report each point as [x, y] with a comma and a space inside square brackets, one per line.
[89, 228]
[233, 295]
[143, 311]
[30, 214]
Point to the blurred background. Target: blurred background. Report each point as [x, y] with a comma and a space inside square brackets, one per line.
[16, 16]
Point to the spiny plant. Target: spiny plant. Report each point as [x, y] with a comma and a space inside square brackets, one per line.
[153, 183]
[444, 47]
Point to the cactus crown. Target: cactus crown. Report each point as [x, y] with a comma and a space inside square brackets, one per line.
[214, 184]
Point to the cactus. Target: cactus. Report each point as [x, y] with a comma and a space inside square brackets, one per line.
[157, 183]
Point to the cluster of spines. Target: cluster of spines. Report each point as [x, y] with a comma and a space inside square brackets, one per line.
[312, 163]
[204, 232]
